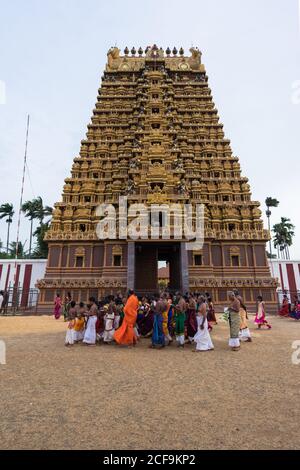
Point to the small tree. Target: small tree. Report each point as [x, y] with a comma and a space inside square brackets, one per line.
[41, 249]
[13, 250]
[7, 210]
[283, 237]
[270, 202]
[31, 209]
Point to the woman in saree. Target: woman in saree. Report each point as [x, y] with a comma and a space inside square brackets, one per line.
[145, 322]
[179, 314]
[295, 313]
[66, 306]
[161, 336]
[211, 316]
[191, 320]
[57, 307]
[125, 335]
[158, 338]
[284, 311]
[171, 319]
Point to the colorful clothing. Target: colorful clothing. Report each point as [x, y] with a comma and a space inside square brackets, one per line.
[171, 320]
[165, 320]
[296, 313]
[234, 323]
[244, 330]
[284, 311]
[211, 315]
[179, 325]
[125, 334]
[260, 317]
[79, 329]
[70, 333]
[158, 337]
[66, 308]
[57, 308]
[145, 323]
[191, 323]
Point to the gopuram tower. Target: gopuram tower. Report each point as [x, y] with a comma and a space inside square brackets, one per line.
[155, 137]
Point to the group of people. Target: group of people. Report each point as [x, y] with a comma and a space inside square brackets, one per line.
[164, 318]
[290, 310]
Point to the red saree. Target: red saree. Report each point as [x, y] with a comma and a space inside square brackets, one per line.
[284, 311]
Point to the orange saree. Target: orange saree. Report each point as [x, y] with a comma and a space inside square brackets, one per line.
[125, 334]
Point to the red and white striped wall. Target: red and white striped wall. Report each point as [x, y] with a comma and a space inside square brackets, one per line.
[288, 274]
[27, 273]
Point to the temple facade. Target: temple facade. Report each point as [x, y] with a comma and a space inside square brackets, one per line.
[155, 137]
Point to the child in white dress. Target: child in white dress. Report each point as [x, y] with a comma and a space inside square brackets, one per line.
[70, 335]
[202, 337]
[109, 329]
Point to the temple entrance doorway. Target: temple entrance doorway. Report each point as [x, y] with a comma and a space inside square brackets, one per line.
[147, 258]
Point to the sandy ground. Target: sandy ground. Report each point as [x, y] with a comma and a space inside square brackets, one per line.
[106, 397]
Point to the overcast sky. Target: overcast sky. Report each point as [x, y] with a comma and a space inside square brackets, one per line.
[52, 55]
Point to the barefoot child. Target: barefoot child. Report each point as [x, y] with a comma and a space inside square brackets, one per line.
[79, 323]
[69, 341]
[109, 318]
[260, 318]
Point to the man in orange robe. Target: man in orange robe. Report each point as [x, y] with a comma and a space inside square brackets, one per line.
[125, 334]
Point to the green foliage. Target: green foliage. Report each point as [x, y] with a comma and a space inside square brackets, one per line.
[13, 249]
[33, 210]
[41, 249]
[271, 202]
[283, 236]
[7, 210]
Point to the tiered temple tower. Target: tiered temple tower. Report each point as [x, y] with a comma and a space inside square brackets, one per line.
[155, 137]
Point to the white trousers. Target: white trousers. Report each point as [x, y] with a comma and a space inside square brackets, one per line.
[180, 339]
[234, 342]
[245, 334]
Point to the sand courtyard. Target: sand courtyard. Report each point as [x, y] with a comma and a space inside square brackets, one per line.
[107, 397]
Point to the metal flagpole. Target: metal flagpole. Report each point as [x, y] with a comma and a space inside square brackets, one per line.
[21, 201]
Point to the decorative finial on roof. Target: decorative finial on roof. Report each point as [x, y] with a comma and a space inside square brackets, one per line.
[133, 51]
[126, 51]
[168, 51]
[175, 51]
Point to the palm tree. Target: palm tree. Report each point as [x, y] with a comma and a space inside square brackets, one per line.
[270, 202]
[283, 236]
[13, 251]
[30, 208]
[41, 250]
[40, 211]
[7, 210]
